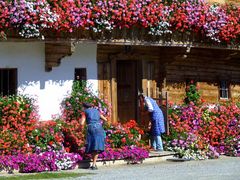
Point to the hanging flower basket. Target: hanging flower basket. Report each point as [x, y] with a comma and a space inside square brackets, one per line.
[150, 21]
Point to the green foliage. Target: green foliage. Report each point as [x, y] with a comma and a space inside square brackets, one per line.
[192, 94]
[73, 105]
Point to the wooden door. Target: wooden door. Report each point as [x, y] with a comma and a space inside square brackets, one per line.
[126, 90]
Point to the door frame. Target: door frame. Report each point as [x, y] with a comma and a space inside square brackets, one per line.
[113, 79]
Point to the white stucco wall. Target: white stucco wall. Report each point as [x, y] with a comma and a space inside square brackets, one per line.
[48, 88]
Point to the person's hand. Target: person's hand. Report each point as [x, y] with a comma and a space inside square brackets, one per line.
[107, 123]
[149, 125]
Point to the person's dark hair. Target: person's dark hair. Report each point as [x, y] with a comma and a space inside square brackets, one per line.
[87, 105]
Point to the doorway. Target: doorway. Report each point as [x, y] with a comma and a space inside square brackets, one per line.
[127, 90]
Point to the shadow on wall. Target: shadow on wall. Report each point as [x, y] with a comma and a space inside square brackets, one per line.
[46, 89]
[48, 95]
[42, 83]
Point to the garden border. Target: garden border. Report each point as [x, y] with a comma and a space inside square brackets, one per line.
[153, 157]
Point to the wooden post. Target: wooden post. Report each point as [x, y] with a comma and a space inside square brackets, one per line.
[114, 90]
[167, 120]
[144, 78]
[100, 81]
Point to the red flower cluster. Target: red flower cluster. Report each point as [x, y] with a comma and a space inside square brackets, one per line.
[47, 135]
[126, 134]
[74, 136]
[230, 32]
[193, 17]
[17, 120]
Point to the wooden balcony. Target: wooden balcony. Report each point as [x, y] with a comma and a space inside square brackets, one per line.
[125, 36]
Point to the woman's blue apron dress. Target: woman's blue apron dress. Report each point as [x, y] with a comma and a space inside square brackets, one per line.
[95, 140]
[157, 119]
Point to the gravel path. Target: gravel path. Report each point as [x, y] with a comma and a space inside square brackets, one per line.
[224, 168]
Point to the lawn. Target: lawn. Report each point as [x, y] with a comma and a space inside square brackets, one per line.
[45, 175]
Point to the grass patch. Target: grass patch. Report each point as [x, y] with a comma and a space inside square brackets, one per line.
[45, 175]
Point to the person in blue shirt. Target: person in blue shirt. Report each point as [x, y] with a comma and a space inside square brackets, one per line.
[95, 140]
[157, 126]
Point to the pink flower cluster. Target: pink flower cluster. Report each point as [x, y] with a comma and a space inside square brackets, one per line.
[28, 17]
[213, 22]
[46, 161]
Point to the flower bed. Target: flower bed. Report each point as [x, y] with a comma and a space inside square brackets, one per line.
[213, 23]
[39, 162]
[48, 155]
[123, 141]
[198, 131]
[132, 154]
[202, 131]
[28, 145]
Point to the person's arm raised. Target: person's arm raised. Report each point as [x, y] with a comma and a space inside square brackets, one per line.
[83, 119]
[103, 118]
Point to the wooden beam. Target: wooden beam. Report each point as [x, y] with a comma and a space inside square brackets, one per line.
[54, 52]
[113, 42]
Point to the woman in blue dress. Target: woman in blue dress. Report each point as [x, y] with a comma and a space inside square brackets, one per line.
[157, 126]
[95, 140]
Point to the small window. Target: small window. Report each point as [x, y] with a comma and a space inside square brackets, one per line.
[224, 90]
[80, 74]
[8, 81]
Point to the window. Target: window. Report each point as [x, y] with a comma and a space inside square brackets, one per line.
[8, 81]
[80, 74]
[224, 90]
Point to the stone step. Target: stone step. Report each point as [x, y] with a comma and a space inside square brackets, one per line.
[160, 153]
[153, 157]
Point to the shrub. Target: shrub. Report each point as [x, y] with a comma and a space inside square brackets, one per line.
[17, 120]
